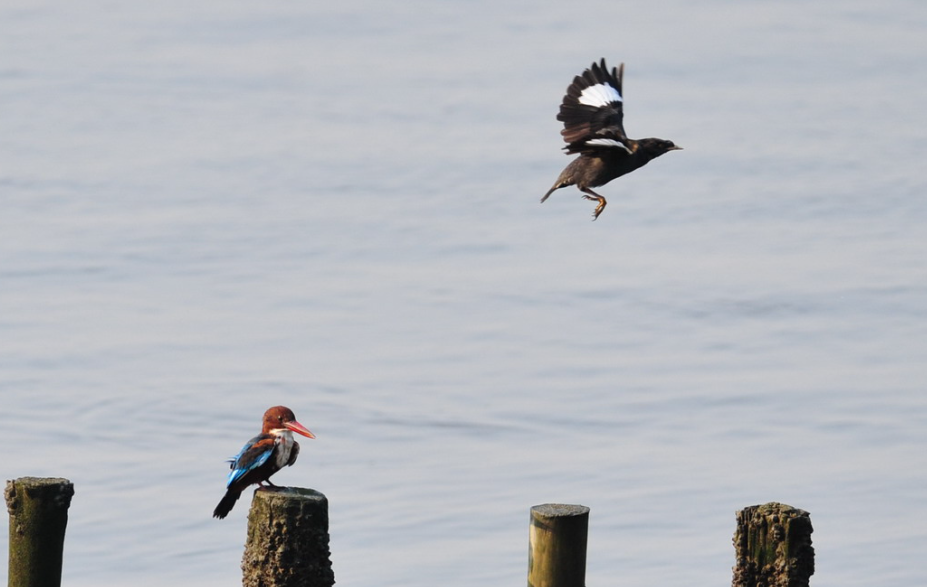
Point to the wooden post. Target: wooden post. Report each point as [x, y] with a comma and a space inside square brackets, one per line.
[773, 547]
[557, 545]
[38, 518]
[287, 539]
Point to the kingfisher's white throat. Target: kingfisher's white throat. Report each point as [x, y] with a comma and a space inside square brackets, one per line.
[284, 445]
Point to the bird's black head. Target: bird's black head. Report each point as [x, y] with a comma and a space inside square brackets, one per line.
[656, 147]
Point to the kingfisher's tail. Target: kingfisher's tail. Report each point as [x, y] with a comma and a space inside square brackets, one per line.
[227, 503]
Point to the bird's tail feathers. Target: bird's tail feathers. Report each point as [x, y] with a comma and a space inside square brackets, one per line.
[226, 504]
[560, 183]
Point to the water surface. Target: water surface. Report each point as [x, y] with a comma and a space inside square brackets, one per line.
[210, 209]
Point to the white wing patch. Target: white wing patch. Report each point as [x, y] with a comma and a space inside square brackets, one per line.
[608, 143]
[599, 95]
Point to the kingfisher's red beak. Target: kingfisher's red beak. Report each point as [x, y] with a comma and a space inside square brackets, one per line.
[298, 428]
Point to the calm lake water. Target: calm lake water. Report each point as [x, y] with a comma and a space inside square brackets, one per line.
[211, 208]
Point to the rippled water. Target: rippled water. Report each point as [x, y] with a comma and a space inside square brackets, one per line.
[211, 208]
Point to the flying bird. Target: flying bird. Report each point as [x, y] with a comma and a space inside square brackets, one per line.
[263, 455]
[592, 116]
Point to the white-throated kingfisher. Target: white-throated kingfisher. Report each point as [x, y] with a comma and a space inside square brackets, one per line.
[263, 455]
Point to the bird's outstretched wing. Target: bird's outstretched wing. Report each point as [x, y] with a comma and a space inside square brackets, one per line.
[592, 111]
[251, 456]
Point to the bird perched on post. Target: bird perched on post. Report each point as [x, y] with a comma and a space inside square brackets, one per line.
[263, 455]
[592, 115]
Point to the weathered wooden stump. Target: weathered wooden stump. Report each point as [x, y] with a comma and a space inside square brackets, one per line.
[287, 540]
[773, 547]
[557, 545]
[38, 510]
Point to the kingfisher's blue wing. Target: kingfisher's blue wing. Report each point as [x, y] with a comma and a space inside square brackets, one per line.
[251, 456]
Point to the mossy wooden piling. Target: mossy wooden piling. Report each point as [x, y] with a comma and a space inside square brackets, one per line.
[287, 540]
[38, 508]
[773, 547]
[557, 545]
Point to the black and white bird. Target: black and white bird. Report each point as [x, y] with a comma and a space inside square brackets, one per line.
[592, 115]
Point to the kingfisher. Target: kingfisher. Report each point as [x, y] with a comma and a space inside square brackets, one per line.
[263, 455]
[592, 113]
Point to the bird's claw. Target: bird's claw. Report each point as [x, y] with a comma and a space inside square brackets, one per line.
[599, 208]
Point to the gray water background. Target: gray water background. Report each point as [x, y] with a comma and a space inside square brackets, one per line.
[210, 208]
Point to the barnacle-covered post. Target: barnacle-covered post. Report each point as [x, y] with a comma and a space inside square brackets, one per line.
[38, 508]
[773, 547]
[287, 540]
[557, 545]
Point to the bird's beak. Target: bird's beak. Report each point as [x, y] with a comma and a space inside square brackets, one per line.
[298, 428]
[676, 148]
